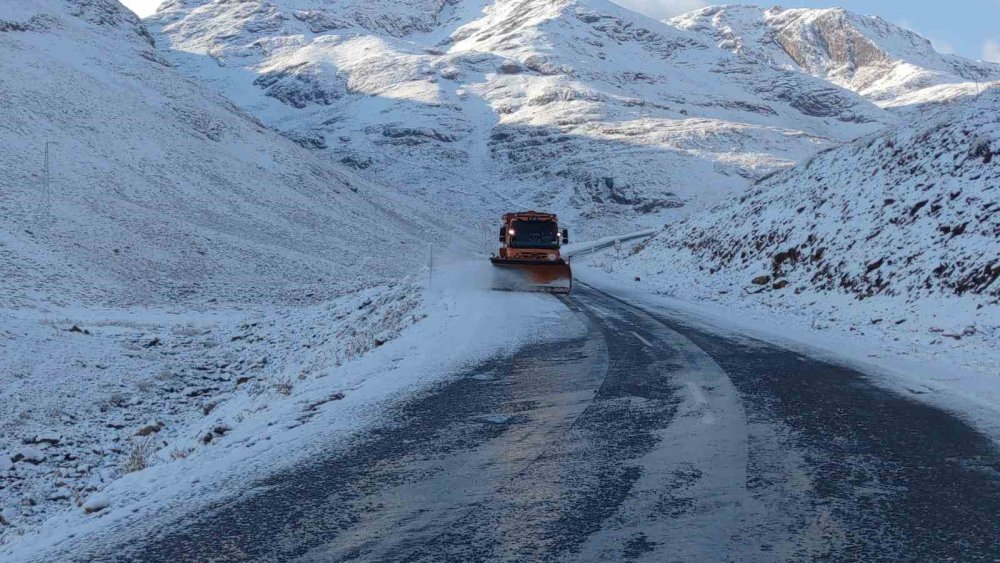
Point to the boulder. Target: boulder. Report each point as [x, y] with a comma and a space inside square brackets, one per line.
[510, 67]
[50, 438]
[8, 515]
[150, 429]
[451, 73]
[761, 280]
[30, 455]
[96, 503]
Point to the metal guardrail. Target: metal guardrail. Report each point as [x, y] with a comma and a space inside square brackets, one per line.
[600, 244]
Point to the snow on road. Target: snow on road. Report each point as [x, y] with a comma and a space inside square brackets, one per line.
[960, 381]
[601, 447]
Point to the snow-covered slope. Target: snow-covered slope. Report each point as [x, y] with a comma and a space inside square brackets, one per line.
[175, 227]
[896, 233]
[574, 105]
[162, 191]
[882, 61]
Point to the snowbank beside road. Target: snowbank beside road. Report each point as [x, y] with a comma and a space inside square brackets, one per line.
[319, 376]
[105, 392]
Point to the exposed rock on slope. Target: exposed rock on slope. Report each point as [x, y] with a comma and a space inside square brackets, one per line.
[162, 191]
[883, 62]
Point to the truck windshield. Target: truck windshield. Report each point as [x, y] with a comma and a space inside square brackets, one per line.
[534, 234]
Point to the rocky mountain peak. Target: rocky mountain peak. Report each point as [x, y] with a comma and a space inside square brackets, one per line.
[883, 61]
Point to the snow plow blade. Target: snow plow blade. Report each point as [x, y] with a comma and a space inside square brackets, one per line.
[526, 275]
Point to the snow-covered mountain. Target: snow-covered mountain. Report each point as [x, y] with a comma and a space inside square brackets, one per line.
[884, 62]
[162, 190]
[575, 105]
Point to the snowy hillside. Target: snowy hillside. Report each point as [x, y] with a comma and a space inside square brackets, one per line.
[882, 61]
[178, 278]
[894, 234]
[162, 191]
[574, 105]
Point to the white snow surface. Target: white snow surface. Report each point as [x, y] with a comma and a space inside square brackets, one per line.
[164, 192]
[608, 118]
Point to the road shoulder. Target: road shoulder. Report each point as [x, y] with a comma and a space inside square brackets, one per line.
[971, 395]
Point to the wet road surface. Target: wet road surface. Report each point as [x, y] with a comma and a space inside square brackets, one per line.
[644, 440]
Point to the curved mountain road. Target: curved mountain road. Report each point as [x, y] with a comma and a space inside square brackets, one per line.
[644, 440]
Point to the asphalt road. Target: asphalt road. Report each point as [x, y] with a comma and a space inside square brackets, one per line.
[644, 440]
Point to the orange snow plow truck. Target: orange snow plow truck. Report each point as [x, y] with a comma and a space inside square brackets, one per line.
[529, 259]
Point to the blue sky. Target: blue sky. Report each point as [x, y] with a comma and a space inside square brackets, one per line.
[970, 28]
[142, 7]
